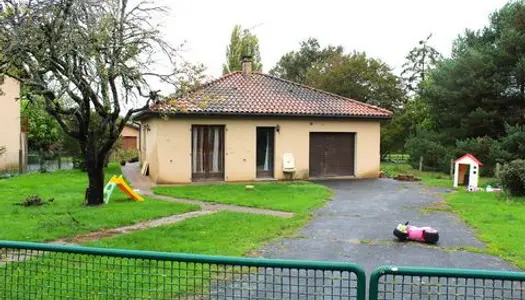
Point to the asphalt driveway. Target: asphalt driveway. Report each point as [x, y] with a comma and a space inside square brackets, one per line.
[357, 225]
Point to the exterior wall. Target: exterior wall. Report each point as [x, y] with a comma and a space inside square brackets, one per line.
[172, 146]
[130, 134]
[130, 131]
[10, 123]
[148, 148]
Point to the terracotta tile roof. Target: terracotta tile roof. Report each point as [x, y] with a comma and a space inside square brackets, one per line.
[261, 94]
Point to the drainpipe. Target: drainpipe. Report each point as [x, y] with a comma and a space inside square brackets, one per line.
[140, 139]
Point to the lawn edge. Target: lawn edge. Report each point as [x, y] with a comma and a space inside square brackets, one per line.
[491, 249]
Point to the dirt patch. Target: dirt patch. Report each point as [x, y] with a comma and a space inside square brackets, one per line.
[434, 207]
[406, 177]
[84, 238]
[382, 174]
[211, 206]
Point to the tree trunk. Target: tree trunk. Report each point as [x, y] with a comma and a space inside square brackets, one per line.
[95, 170]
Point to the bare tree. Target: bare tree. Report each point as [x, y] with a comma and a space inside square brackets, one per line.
[87, 60]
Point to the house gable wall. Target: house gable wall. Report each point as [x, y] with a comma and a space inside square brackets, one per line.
[130, 131]
[148, 147]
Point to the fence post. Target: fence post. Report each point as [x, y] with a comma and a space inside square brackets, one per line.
[451, 168]
[421, 163]
[20, 161]
[373, 288]
[498, 166]
[41, 162]
[59, 161]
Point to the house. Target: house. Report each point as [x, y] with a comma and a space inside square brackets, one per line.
[130, 137]
[12, 139]
[247, 126]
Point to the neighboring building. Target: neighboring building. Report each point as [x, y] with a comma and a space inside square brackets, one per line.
[11, 135]
[130, 137]
[250, 123]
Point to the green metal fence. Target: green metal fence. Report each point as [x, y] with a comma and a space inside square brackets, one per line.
[46, 271]
[428, 283]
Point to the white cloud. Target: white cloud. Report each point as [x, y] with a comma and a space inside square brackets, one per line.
[385, 29]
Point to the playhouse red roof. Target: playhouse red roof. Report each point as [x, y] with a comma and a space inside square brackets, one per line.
[468, 155]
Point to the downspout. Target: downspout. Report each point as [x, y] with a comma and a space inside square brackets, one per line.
[140, 140]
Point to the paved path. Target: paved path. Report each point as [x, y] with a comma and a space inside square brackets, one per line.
[144, 186]
[357, 225]
[106, 233]
[210, 206]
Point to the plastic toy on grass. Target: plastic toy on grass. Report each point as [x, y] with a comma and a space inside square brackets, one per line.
[406, 232]
[123, 186]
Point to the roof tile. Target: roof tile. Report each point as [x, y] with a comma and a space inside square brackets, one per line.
[262, 94]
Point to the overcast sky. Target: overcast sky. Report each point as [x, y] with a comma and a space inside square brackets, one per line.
[385, 29]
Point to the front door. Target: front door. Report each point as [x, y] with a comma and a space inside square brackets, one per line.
[265, 151]
[207, 152]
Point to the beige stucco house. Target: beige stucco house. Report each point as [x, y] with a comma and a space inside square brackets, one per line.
[11, 136]
[256, 126]
[130, 137]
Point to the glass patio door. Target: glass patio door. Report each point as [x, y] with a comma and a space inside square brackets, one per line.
[207, 152]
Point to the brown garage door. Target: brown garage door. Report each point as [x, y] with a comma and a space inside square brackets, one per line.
[331, 154]
[129, 142]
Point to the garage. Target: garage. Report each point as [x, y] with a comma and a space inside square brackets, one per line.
[129, 142]
[332, 154]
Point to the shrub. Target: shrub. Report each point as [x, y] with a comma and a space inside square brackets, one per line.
[512, 177]
[426, 144]
[127, 155]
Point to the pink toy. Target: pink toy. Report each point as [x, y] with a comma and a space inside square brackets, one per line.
[421, 234]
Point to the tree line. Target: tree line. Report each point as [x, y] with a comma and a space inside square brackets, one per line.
[84, 61]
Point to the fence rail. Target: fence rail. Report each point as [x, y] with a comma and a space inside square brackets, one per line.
[46, 271]
[431, 283]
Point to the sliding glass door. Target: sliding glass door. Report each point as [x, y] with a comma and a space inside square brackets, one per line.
[207, 152]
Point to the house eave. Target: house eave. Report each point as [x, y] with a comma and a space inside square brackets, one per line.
[152, 114]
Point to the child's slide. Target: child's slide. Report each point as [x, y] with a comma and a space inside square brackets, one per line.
[123, 186]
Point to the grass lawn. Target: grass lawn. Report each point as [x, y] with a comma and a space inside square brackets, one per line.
[298, 197]
[436, 179]
[223, 233]
[67, 216]
[499, 223]
[429, 178]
